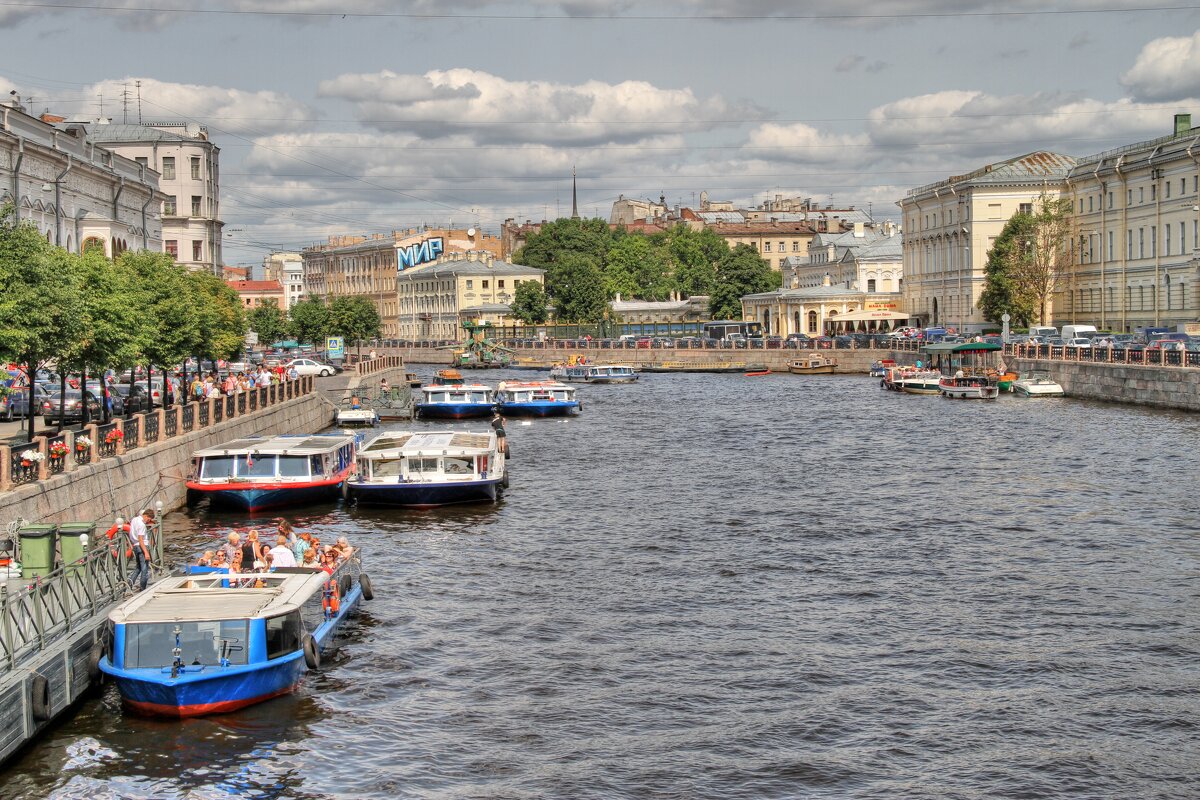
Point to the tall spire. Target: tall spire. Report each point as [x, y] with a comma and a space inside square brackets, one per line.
[574, 197]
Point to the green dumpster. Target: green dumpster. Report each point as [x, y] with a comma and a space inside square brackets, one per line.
[72, 547]
[37, 549]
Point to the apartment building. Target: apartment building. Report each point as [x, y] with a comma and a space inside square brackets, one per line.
[77, 194]
[188, 165]
[433, 299]
[288, 269]
[951, 225]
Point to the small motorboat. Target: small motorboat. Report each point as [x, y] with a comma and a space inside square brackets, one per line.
[880, 368]
[215, 642]
[969, 387]
[1039, 385]
[758, 373]
[595, 373]
[447, 377]
[814, 364]
[412, 380]
[357, 418]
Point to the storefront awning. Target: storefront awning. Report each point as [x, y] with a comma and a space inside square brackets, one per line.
[867, 316]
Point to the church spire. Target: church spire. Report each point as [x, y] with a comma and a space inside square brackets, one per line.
[574, 197]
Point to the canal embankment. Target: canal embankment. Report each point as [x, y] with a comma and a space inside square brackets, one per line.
[1143, 385]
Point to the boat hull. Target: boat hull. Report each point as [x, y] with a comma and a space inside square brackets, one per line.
[920, 387]
[1038, 390]
[454, 410]
[823, 370]
[218, 694]
[540, 408]
[424, 495]
[261, 498]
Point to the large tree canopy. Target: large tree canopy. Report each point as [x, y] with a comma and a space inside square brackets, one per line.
[529, 303]
[577, 285]
[1001, 294]
[741, 271]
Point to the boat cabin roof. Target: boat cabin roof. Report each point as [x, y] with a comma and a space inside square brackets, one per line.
[456, 387]
[297, 444]
[526, 385]
[202, 598]
[961, 347]
[427, 443]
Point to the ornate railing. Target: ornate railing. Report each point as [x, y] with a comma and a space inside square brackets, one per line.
[107, 438]
[132, 435]
[150, 428]
[56, 454]
[22, 470]
[171, 422]
[189, 415]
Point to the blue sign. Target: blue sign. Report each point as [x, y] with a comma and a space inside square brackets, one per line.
[335, 347]
[421, 253]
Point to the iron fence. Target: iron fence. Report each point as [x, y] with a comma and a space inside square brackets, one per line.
[107, 438]
[150, 428]
[132, 434]
[189, 415]
[22, 469]
[171, 423]
[56, 454]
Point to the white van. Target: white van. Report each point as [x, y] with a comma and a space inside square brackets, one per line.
[1076, 331]
[1043, 331]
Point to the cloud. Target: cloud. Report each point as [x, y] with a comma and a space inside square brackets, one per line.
[1079, 40]
[849, 63]
[1166, 69]
[494, 109]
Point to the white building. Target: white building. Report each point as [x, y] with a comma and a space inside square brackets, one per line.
[190, 178]
[75, 193]
[288, 269]
[865, 259]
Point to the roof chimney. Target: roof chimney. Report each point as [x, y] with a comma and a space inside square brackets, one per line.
[1183, 123]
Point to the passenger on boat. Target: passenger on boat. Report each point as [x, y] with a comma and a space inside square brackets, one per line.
[355, 403]
[501, 436]
[251, 549]
[219, 559]
[281, 554]
[343, 548]
[310, 558]
[234, 545]
[329, 561]
[383, 386]
[958, 374]
[205, 559]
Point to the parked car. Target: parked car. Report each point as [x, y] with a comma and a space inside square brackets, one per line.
[130, 401]
[306, 366]
[1160, 345]
[1079, 341]
[71, 407]
[15, 404]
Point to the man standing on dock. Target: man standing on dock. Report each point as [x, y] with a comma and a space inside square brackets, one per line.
[139, 541]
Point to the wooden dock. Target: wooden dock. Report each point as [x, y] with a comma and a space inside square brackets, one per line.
[52, 634]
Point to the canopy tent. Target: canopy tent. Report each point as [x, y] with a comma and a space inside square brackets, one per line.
[867, 320]
[960, 347]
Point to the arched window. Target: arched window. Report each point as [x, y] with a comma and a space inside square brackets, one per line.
[92, 243]
[812, 322]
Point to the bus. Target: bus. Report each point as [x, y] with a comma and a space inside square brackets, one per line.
[733, 329]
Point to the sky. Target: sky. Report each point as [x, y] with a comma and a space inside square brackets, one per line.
[366, 116]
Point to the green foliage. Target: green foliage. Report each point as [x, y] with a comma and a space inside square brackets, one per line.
[174, 316]
[109, 328]
[577, 286]
[223, 332]
[695, 255]
[638, 267]
[565, 237]
[310, 320]
[1001, 293]
[529, 303]
[38, 294]
[354, 318]
[268, 321]
[741, 271]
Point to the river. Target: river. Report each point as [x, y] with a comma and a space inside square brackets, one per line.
[712, 586]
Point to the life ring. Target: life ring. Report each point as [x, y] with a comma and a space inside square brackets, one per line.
[112, 532]
[364, 583]
[312, 652]
[40, 698]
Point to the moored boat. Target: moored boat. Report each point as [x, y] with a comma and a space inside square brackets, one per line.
[919, 381]
[357, 418]
[879, 368]
[813, 364]
[595, 373]
[455, 401]
[969, 387]
[447, 377]
[258, 473]
[426, 469]
[537, 399]
[1037, 385]
[212, 643]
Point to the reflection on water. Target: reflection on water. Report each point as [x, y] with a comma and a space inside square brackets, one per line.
[708, 586]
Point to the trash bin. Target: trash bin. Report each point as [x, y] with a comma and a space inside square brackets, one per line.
[37, 549]
[72, 547]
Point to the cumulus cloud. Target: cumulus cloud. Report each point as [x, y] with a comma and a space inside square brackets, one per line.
[1166, 69]
[495, 109]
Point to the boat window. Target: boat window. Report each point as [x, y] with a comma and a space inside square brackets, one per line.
[419, 465]
[256, 467]
[386, 467]
[315, 465]
[478, 397]
[459, 465]
[152, 644]
[293, 466]
[283, 634]
[217, 466]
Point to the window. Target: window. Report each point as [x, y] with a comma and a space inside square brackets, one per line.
[1182, 245]
[1167, 239]
[1183, 186]
[283, 634]
[485, 284]
[500, 284]
[1167, 186]
[197, 250]
[1110, 199]
[145, 162]
[169, 206]
[1154, 191]
[1090, 208]
[168, 170]
[766, 247]
[870, 284]
[796, 246]
[195, 205]
[1141, 194]
[1153, 241]
[172, 248]
[153, 644]
[782, 246]
[470, 283]
[1080, 205]
[1141, 242]
[1110, 245]
[1129, 244]
[195, 168]
[1129, 197]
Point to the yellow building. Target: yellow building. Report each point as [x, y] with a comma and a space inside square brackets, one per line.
[1136, 245]
[950, 226]
[774, 241]
[432, 299]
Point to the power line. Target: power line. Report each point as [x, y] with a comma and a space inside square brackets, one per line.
[637, 18]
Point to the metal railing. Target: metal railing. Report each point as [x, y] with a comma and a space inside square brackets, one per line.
[171, 422]
[189, 416]
[107, 439]
[132, 435]
[22, 470]
[56, 464]
[150, 428]
[1133, 356]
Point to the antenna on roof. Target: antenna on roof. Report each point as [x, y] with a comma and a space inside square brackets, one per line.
[125, 104]
[139, 95]
[101, 96]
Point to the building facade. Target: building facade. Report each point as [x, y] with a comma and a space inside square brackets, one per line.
[869, 260]
[664, 312]
[78, 195]
[950, 226]
[1135, 249]
[823, 310]
[255, 293]
[189, 168]
[288, 269]
[432, 299]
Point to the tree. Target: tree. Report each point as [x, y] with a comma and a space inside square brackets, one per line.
[577, 286]
[1040, 266]
[529, 303]
[1001, 294]
[638, 267]
[268, 321]
[354, 318]
[310, 320]
[695, 255]
[223, 329]
[741, 271]
[563, 237]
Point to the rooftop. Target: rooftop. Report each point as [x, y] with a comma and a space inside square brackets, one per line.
[1038, 167]
[463, 266]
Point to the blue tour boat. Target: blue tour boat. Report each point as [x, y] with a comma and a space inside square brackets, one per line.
[211, 643]
[427, 469]
[451, 401]
[258, 473]
[537, 399]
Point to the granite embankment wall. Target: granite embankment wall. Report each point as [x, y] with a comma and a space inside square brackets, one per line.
[124, 483]
[1157, 386]
[849, 361]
